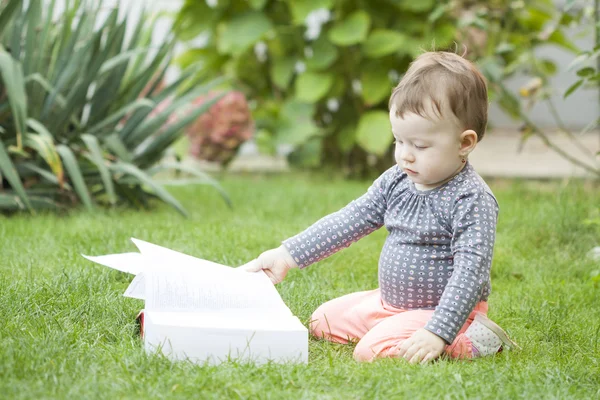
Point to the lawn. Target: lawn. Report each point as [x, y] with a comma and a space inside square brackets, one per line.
[67, 332]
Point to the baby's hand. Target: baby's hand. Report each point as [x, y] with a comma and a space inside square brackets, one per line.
[275, 263]
[422, 346]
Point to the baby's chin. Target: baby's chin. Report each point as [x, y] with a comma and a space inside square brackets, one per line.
[422, 183]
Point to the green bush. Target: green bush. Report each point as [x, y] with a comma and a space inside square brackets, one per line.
[76, 102]
[526, 30]
[325, 91]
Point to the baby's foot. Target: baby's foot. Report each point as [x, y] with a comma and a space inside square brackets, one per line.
[487, 337]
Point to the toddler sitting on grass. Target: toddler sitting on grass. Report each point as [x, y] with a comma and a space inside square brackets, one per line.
[434, 268]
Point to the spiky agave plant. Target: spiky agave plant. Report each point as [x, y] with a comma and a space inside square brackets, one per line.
[76, 101]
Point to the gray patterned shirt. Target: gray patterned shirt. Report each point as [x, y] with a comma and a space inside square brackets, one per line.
[438, 253]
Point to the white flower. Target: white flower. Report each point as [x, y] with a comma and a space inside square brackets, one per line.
[212, 3]
[314, 21]
[356, 86]
[300, 67]
[260, 50]
[333, 105]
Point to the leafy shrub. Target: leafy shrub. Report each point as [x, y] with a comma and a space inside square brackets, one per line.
[75, 108]
[585, 64]
[320, 71]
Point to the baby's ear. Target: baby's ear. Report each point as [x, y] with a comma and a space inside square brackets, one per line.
[468, 141]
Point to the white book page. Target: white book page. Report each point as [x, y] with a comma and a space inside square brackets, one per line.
[137, 287]
[165, 258]
[206, 290]
[132, 263]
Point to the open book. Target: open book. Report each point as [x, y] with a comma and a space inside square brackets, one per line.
[207, 312]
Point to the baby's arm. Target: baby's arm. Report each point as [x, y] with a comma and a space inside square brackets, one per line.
[329, 234]
[474, 220]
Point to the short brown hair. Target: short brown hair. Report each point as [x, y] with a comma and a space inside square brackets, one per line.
[450, 82]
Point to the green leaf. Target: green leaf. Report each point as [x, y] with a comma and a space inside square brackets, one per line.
[352, 30]
[548, 67]
[50, 177]
[96, 157]
[586, 72]
[43, 143]
[7, 13]
[10, 173]
[504, 48]
[374, 133]
[242, 32]
[120, 59]
[143, 178]
[12, 75]
[301, 9]
[346, 138]
[257, 4]
[375, 83]
[296, 125]
[282, 71]
[438, 12]
[112, 119]
[323, 55]
[313, 86]
[72, 167]
[118, 148]
[384, 42]
[558, 37]
[415, 6]
[577, 61]
[573, 88]
[10, 202]
[510, 104]
[156, 146]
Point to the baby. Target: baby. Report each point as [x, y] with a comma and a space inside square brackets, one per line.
[434, 269]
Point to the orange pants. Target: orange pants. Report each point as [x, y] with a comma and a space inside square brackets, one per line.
[379, 328]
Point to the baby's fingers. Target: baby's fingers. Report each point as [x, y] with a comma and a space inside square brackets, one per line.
[252, 266]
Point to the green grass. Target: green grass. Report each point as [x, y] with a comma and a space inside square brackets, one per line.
[67, 332]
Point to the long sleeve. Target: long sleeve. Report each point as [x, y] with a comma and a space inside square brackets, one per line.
[344, 227]
[474, 218]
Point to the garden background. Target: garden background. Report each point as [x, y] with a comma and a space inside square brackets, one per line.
[219, 128]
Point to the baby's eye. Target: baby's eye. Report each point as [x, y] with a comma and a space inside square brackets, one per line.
[420, 147]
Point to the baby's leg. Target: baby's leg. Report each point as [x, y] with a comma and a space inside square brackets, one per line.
[348, 318]
[385, 339]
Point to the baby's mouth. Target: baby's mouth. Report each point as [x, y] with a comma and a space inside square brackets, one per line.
[410, 171]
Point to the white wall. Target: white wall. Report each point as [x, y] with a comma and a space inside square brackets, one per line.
[577, 110]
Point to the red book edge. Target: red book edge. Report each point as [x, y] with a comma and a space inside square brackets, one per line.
[140, 321]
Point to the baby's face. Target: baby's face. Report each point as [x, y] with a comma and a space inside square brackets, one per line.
[427, 150]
